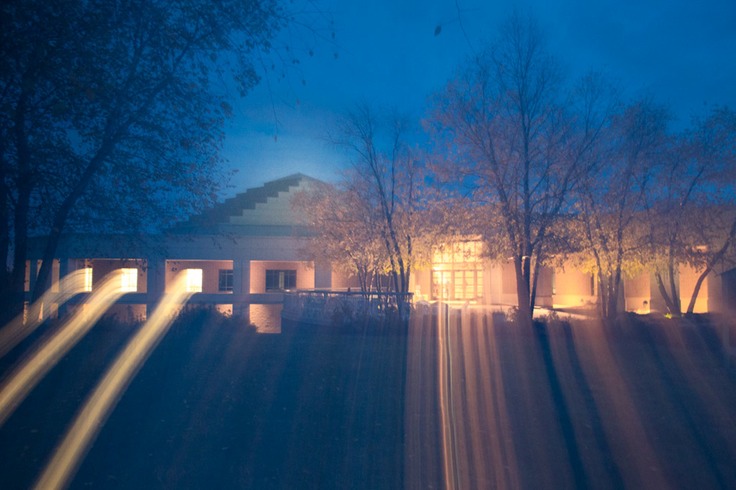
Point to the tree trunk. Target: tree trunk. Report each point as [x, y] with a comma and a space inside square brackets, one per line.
[62, 214]
[522, 291]
[52, 242]
[21, 216]
[535, 279]
[12, 280]
[711, 263]
[11, 294]
[609, 288]
[602, 295]
[696, 290]
[671, 307]
[4, 227]
[674, 292]
[613, 293]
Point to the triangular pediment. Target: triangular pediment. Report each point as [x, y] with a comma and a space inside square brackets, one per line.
[262, 207]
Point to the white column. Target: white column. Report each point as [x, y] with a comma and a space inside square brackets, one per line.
[155, 282]
[241, 287]
[66, 267]
[32, 274]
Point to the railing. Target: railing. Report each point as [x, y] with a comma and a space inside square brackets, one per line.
[325, 307]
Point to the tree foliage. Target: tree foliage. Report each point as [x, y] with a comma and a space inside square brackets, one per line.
[376, 222]
[344, 232]
[517, 145]
[550, 175]
[692, 216]
[386, 176]
[612, 199]
[112, 111]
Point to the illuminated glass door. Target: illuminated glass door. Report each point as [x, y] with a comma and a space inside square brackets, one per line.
[457, 285]
[457, 273]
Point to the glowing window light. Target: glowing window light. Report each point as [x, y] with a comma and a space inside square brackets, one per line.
[193, 282]
[129, 280]
[87, 280]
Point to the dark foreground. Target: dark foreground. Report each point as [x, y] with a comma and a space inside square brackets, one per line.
[219, 406]
[645, 404]
[464, 404]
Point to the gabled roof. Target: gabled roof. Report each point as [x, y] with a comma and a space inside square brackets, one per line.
[264, 210]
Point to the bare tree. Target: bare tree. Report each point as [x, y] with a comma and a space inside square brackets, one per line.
[612, 199]
[344, 232]
[692, 216]
[386, 176]
[516, 145]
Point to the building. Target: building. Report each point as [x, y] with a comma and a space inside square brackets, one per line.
[250, 250]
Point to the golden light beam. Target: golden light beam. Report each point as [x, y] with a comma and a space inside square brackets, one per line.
[24, 324]
[447, 404]
[25, 377]
[88, 422]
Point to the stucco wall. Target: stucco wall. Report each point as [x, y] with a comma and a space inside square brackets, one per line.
[341, 281]
[572, 288]
[688, 278]
[304, 274]
[102, 267]
[266, 318]
[210, 272]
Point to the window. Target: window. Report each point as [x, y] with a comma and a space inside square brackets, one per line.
[457, 285]
[129, 280]
[225, 281]
[278, 280]
[458, 253]
[193, 281]
[87, 280]
[458, 271]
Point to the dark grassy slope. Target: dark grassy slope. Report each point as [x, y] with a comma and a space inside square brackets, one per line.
[31, 433]
[645, 404]
[218, 406]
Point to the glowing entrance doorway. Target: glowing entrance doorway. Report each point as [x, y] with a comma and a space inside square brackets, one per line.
[457, 272]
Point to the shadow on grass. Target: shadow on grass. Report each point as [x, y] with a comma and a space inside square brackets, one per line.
[219, 406]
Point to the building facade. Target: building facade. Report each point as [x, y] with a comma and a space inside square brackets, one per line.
[250, 250]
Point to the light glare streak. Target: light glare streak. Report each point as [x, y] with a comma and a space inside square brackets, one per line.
[24, 378]
[447, 405]
[69, 453]
[14, 332]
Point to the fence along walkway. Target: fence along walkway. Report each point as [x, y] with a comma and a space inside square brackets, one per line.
[325, 307]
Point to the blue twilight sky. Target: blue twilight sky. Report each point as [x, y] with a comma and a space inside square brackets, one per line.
[682, 52]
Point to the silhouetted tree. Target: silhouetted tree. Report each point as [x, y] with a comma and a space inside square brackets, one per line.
[387, 178]
[115, 110]
[613, 198]
[344, 227]
[692, 215]
[517, 145]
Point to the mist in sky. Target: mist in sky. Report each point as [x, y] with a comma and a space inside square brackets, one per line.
[395, 54]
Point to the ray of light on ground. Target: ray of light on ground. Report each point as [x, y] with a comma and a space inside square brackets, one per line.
[68, 455]
[25, 377]
[14, 332]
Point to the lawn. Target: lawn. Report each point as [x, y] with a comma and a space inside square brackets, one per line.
[474, 403]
